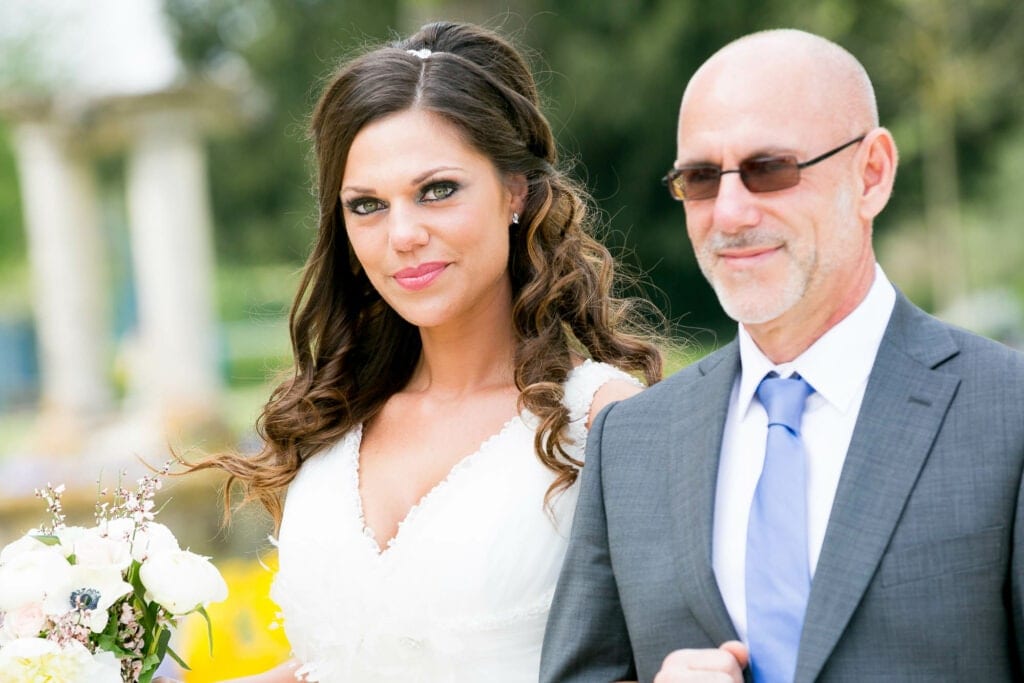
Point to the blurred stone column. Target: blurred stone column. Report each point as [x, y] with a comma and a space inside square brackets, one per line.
[172, 254]
[62, 217]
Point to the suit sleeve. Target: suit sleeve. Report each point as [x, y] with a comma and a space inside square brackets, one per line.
[1017, 580]
[586, 638]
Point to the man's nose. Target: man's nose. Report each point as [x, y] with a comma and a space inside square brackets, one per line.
[735, 206]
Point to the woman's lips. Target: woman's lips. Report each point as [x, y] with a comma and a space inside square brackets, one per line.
[421, 276]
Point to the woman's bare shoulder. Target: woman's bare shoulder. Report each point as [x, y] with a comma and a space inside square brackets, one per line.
[611, 391]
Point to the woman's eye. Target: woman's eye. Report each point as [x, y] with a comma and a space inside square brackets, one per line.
[364, 205]
[438, 191]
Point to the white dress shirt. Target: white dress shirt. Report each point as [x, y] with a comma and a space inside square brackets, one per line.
[837, 366]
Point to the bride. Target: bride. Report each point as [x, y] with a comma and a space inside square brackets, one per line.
[454, 334]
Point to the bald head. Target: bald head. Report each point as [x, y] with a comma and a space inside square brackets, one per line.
[788, 250]
[789, 74]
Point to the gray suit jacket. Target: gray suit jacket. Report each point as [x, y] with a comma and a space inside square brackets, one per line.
[920, 575]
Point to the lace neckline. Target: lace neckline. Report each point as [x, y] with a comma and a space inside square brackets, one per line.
[436, 491]
[352, 445]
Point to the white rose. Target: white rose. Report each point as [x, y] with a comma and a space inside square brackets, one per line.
[147, 540]
[93, 550]
[28, 660]
[181, 581]
[104, 668]
[26, 544]
[154, 539]
[67, 536]
[29, 576]
[25, 622]
[94, 588]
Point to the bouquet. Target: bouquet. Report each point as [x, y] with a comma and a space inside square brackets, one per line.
[99, 605]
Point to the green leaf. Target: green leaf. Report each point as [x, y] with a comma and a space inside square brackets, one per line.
[155, 653]
[48, 539]
[209, 627]
[149, 667]
[161, 643]
[147, 620]
[108, 642]
[112, 621]
[174, 655]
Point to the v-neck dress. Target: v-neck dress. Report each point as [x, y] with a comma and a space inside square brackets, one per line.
[462, 592]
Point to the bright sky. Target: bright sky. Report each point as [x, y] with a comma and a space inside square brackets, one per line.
[86, 47]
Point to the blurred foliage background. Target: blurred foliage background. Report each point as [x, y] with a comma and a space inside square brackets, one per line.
[948, 74]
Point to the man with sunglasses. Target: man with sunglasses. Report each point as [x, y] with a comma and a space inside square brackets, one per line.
[835, 495]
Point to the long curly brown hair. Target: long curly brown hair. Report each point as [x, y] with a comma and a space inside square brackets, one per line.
[352, 351]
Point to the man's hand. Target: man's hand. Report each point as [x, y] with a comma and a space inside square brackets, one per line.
[725, 664]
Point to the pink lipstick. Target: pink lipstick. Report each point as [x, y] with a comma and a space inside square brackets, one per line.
[421, 276]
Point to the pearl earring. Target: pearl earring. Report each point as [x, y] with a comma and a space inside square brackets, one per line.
[515, 218]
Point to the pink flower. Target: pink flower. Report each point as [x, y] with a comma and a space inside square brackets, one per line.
[26, 621]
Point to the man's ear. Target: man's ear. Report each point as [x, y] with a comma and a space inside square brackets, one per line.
[877, 171]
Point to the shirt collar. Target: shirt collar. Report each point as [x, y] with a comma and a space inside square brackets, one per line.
[854, 339]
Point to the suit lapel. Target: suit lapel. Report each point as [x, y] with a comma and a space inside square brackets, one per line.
[698, 423]
[903, 409]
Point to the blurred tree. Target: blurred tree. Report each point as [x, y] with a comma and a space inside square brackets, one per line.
[12, 233]
[948, 77]
[953, 75]
[618, 71]
[263, 206]
[949, 82]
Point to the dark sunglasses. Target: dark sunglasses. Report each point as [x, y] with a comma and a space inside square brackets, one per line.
[759, 174]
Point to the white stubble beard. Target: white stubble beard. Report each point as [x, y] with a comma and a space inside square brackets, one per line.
[745, 298]
[747, 301]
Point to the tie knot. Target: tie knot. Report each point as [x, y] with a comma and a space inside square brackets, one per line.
[783, 399]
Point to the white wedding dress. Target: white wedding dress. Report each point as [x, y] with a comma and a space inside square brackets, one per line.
[461, 593]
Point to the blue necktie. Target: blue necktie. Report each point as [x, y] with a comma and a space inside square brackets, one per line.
[778, 577]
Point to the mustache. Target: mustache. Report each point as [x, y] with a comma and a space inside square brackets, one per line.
[752, 238]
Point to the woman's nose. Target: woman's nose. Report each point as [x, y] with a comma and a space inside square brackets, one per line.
[406, 230]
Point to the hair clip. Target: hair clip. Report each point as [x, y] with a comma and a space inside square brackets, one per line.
[422, 53]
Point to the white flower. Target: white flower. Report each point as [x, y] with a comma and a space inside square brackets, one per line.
[28, 660]
[68, 535]
[30, 576]
[26, 544]
[181, 581]
[94, 550]
[94, 589]
[149, 539]
[26, 621]
[154, 539]
[105, 668]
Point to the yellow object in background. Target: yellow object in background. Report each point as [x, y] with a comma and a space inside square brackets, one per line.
[247, 637]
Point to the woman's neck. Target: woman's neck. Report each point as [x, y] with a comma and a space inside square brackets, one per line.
[456, 362]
